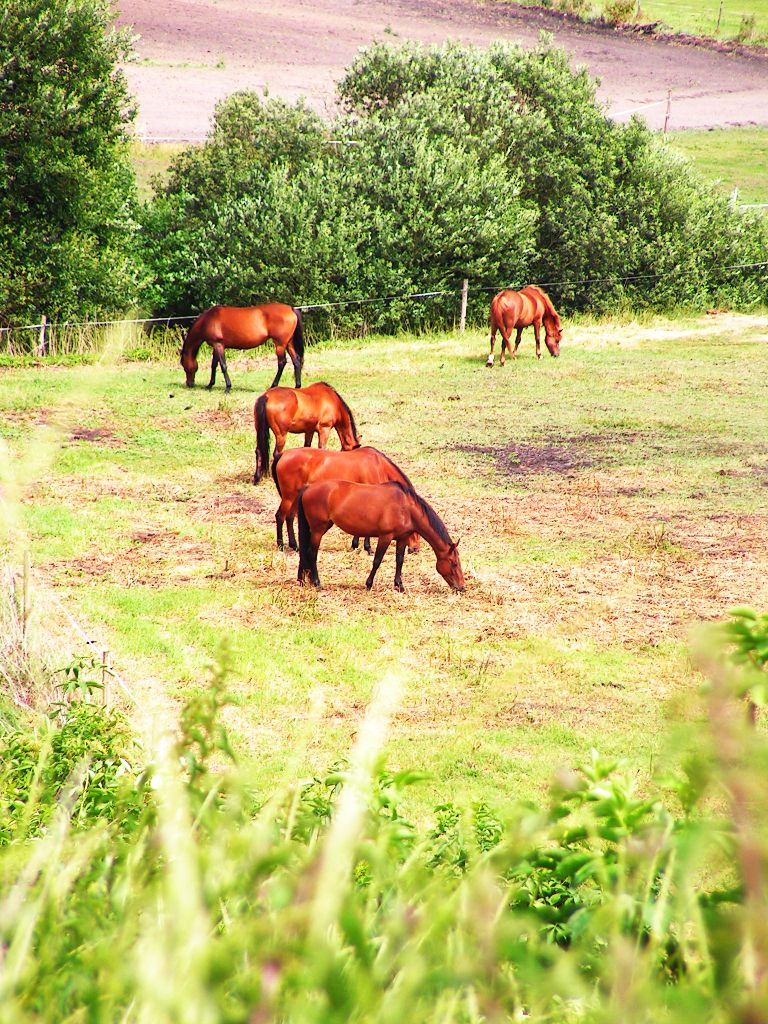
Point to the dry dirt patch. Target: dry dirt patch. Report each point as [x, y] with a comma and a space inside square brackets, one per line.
[193, 53]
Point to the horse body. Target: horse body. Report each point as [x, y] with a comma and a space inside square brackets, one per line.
[318, 408]
[389, 511]
[302, 466]
[244, 327]
[531, 306]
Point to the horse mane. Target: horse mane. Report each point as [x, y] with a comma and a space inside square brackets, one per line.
[433, 518]
[344, 406]
[394, 465]
[550, 307]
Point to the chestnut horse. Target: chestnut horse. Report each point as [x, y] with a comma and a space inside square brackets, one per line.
[302, 466]
[517, 310]
[390, 511]
[315, 409]
[244, 327]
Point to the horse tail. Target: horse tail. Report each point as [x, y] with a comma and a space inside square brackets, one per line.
[298, 337]
[262, 433]
[305, 545]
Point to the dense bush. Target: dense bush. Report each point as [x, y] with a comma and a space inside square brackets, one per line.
[496, 165]
[67, 189]
[166, 894]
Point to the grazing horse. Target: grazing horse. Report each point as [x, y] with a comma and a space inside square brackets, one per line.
[314, 409]
[302, 466]
[516, 310]
[244, 327]
[390, 511]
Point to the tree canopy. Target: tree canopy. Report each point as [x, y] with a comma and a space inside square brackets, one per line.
[67, 188]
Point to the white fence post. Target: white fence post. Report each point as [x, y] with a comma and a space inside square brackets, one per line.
[463, 314]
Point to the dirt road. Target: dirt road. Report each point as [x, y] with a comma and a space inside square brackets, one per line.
[191, 53]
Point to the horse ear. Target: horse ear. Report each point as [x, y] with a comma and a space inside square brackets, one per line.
[454, 546]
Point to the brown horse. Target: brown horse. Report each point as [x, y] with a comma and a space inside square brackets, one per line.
[244, 327]
[388, 511]
[517, 310]
[315, 409]
[302, 466]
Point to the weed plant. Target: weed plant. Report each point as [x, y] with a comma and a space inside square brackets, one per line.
[138, 889]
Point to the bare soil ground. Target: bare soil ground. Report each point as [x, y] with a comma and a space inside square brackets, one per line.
[193, 53]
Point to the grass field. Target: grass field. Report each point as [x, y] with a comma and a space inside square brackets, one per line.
[605, 502]
[736, 157]
[743, 19]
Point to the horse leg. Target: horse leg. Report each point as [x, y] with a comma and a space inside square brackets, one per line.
[489, 361]
[214, 364]
[381, 550]
[283, 509]
[290, 518]
[322, 436]
[518, 336]
[281, 361]
[505, 346]
[296, 366]
[399, 555]
[308, 435]
[219, 351]
[310, 567]
[536, 330]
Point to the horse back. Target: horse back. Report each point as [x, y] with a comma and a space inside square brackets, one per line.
[302, 466]
[247, 326]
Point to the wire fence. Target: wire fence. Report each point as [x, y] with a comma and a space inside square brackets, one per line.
[77, 337]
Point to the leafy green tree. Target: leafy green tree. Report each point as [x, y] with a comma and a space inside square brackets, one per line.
[67, 189]
[498, 165]
[612, 201]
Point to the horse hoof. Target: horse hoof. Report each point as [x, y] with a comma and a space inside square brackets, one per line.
[400, 589]
[293, 547]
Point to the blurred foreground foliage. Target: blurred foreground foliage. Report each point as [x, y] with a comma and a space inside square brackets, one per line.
[132, 891]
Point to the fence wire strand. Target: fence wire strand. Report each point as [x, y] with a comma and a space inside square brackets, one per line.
[413, 296]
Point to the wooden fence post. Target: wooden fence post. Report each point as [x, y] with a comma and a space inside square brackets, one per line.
[42, 344]
[669, 110]
[719, 16]
[463, 314]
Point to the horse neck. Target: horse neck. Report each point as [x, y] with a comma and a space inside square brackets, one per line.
[437, 539]
[550, 316]
[192, 342]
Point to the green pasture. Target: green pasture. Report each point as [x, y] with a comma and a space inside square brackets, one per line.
[742, 20]
[746, 20]
[605, 503]
[735, 157]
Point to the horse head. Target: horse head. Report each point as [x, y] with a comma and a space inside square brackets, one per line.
[189, 362]
[553, 335]
[449, 567]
